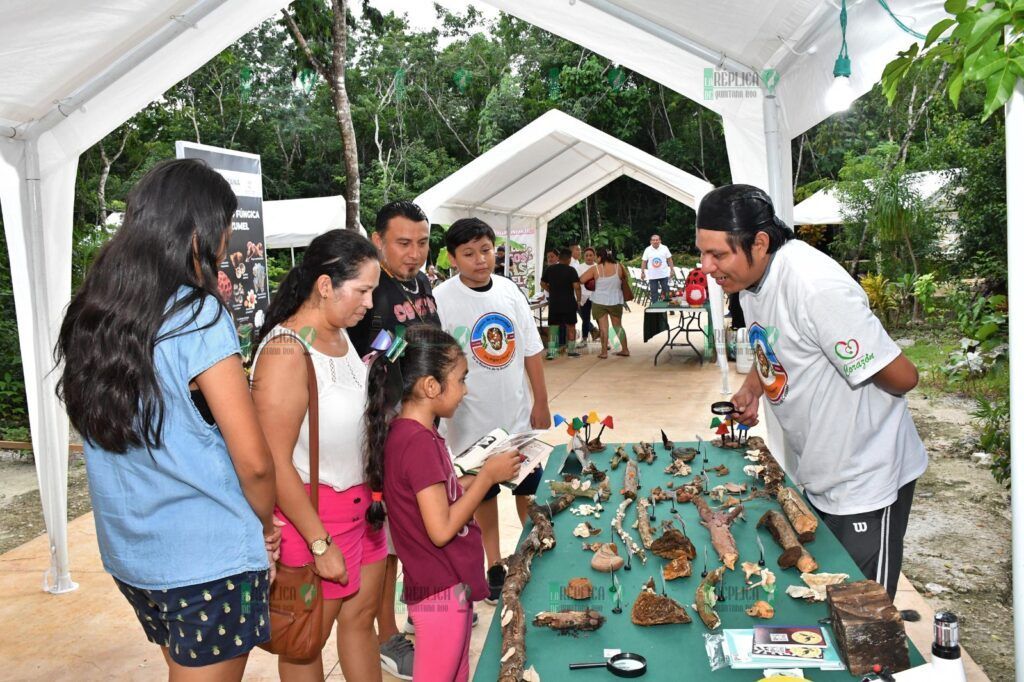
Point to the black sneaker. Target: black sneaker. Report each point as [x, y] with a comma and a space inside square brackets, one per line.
[496, 581]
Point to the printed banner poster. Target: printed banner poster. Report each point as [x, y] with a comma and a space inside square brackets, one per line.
[242, 281]
[521, 269]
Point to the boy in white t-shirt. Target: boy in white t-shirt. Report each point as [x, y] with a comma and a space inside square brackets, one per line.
[828, 371]
[492, 320]
[657, 269]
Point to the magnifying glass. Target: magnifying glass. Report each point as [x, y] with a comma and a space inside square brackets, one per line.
[620, 665]
[723, 407]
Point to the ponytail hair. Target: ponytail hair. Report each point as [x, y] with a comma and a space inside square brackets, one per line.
[430, 352]
[339, 254]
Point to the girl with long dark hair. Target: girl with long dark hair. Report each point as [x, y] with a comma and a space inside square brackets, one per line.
[330, 291]
[430, 515]
[180, 476]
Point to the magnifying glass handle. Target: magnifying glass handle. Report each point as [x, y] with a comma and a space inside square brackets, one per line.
[584, 666]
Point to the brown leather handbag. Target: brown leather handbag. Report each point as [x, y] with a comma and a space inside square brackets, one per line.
[627, 291]
[296, 602]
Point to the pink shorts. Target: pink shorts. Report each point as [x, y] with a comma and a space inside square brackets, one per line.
[344, 516]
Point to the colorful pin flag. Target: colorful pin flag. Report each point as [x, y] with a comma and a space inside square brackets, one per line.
[722, 430]
[559, 420]
[607, 421]
[593, 417]
[577, 423]
[571, 431]
[715, 422]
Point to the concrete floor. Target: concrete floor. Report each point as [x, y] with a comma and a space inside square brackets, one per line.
[92, 633]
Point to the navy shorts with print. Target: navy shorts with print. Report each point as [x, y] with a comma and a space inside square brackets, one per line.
[205, 623]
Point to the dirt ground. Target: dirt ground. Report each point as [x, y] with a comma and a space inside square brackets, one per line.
[959, 535]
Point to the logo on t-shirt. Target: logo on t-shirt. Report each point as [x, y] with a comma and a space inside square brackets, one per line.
[847, 350]
[493, 341]
[656, 262]
[769, 369]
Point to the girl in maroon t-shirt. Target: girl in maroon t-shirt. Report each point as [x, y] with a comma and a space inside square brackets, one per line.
[431, 515]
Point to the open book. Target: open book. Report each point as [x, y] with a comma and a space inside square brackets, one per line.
[472, 458]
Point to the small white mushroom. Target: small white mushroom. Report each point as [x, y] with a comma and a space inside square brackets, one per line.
[508, 654]
[506, 617]
[531, 675]
[585, 486]
[575, 484]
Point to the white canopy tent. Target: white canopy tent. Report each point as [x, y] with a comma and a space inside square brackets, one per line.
[294, 223]
[824, 207]
[545, 168]
[72, 72]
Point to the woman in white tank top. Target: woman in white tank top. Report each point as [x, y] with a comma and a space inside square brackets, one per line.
[607, 300]
[329, 292]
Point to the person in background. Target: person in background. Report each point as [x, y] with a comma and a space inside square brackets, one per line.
[563, 286]
[499, 261]
[551, 258]
[577, 254]
[180, 476]
[587, 328]
[492, 319]
[328, 293]
[657, 269]
[607, 301]
[430, 513]
[820, 350]
[402, 299]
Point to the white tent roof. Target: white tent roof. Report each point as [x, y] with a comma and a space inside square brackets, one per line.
[295, 222]
[824, 207]
[546, 167]
[674, 41]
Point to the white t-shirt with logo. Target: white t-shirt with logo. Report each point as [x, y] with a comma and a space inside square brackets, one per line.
[584, 291]
[816, 346]
[497, 331]
[657, 262]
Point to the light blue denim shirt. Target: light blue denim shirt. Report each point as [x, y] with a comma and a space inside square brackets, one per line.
[175, 515]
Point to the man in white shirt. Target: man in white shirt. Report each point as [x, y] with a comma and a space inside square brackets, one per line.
[657, 268]
[829, 372]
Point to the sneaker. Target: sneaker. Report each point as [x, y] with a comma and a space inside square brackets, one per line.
[396, 657]
[496, 581]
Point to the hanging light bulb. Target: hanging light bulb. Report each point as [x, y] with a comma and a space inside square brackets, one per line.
[840, 94]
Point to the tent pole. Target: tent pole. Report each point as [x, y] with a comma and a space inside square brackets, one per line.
[1014, 243]
[508, 239]
[292, 249]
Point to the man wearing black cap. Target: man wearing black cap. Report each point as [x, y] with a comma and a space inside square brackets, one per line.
[830, 373]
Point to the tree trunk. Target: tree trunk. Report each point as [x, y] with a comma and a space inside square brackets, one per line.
[343, 114]
[107, 162]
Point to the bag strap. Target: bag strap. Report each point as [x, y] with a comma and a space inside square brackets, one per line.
[314, 421]
[314, 432]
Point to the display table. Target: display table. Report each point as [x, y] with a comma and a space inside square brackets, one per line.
[688, 320]
[537, 307]
[676, 651]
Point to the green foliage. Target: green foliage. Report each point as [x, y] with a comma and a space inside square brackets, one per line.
[924, 291]
[13, 408]
[983, 47]
[880, 294]
[993, 420]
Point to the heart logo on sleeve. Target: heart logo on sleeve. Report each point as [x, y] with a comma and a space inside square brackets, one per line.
[847, 350]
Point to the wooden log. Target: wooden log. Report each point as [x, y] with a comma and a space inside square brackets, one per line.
[540, 539]
[772, 474]
[630, 543]
[643, 523]
[804, 522]
[793, 553]
[619, 457]
[868, 628]
[631, 480]
[569, 621]
[644, 452]
[717, 523]
[574, 488]
[705, 599]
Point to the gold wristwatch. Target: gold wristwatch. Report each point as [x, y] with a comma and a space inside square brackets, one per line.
[319, 547]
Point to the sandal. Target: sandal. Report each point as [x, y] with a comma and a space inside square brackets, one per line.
[603, 356]
[623, 353]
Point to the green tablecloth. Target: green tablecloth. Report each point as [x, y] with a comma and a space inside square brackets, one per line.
[672, 651]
